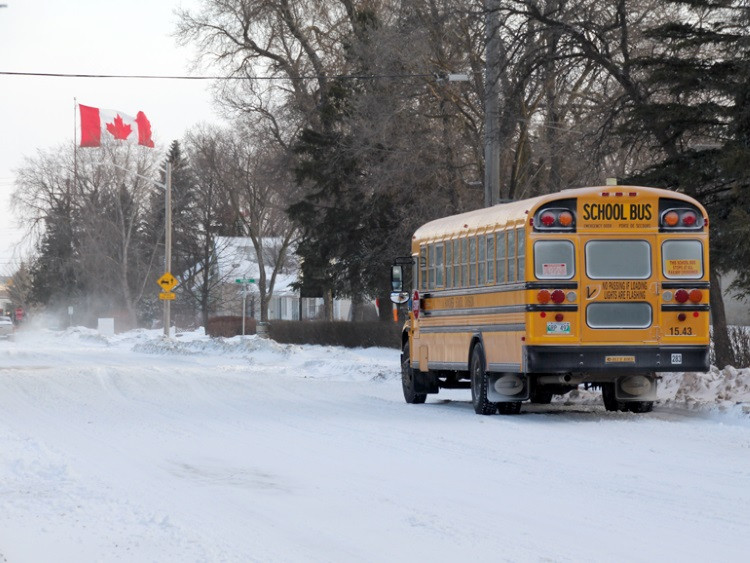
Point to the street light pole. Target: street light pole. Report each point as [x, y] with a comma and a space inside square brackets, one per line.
[167, 240]
[491, 104]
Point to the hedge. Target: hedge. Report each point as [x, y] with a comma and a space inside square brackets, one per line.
[328, 333]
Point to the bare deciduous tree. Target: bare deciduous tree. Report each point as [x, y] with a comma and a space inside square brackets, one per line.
[87, 218]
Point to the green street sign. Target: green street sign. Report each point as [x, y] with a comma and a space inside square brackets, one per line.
[244, 280]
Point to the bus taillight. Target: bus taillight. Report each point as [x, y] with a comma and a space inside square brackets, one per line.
[689, 219]
[681, 296]
[556, 296]
[684, 295]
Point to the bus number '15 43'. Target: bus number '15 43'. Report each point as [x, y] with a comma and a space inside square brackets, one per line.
[616, 211]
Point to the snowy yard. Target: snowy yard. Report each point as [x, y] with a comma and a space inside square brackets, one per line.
[130, 448]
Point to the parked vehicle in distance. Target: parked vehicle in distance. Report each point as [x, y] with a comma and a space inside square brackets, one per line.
[6, 326]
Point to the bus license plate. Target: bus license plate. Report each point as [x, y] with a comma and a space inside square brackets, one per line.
[558, 328]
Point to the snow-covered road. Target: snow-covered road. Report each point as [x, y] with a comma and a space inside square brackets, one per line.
[129, 448]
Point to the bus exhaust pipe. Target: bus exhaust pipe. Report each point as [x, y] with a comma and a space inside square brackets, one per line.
[566, 379]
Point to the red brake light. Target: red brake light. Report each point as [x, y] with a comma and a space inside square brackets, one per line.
[689, 219]
[696, 295]
[548, 219]
[681, 296]
[543, 296]
[558, 296]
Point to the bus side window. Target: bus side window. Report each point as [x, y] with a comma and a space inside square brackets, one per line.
[481, 259]
[521, 244]
[501, 253]
[423, 268]
[511, 255]
[491, 259]
[456, 263]
[449, 264]
[439, 265]
[431, 266]
[473, 261]
[464, 262]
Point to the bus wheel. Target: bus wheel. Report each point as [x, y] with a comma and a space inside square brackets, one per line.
[640, 406]
[512, 407]
[610, 402]
[479, 383]
[407, 380]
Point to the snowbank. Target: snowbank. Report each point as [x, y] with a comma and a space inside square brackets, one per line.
[721, 390]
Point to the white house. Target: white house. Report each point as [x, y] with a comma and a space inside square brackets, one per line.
[237, 260]
[737, 310]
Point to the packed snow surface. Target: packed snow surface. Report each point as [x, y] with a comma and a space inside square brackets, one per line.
[137, 448]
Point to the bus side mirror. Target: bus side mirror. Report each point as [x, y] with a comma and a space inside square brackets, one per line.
[397, 278]
[398, 295]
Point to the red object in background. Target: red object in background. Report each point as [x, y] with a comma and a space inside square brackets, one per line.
[97, 122]
[19, 314]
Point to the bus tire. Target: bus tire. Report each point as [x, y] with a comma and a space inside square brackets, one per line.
[608, 396]
[407, 379]
[512, 407]
[480, 383]
[640, 406]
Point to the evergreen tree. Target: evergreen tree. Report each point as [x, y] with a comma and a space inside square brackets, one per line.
[53, 271]
[699, 95]
[347, 229]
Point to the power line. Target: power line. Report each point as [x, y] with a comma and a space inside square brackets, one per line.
[177, 77]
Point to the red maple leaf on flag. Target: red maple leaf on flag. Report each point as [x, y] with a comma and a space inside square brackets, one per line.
[119, 130]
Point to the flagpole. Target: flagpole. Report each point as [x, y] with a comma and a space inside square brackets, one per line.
[75, 147]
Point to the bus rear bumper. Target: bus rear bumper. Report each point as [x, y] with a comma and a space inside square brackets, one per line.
[615, 359]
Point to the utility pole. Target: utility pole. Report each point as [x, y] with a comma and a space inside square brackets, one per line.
[167, 240]
[491, 103]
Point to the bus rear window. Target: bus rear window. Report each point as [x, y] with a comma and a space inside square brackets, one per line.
[618, 259]
[554, 260]
[682, 259]
[618, 315]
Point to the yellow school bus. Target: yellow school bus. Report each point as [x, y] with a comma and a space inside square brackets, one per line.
[600, 286]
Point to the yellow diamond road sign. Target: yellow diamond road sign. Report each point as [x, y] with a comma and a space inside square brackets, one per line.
[167, 282]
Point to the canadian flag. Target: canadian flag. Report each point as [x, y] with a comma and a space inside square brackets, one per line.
[97, 123]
